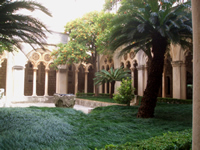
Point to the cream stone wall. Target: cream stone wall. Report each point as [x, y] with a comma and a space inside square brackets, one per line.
[28, 74]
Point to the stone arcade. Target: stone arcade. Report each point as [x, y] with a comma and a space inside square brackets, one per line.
[27, 76]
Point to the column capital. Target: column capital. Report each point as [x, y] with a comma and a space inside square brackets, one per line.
[76, 70]
[141, 67]
[176, 63]
[132, 68]
[86, 71]
[35, 68]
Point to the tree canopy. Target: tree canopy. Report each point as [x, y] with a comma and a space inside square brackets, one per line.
[109, 4]
[151, 26]
[83, 33]
[16, 28]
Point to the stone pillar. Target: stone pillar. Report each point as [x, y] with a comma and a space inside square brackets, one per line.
[140, 80]
[164, 82]
[76, 82]
[46, 83]
[86, 82]
[110, 88]
[105, 88]
[9, 81]
[179, 80]
[67, 81]
[145, 76]
[57, 82]
[132, 76]
[34, 81]
[196, 74]
[183, 81]
[100, 89]
[117, 85]
[61, 81]
[18, 86]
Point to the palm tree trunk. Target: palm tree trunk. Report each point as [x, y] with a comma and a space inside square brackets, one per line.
[148, 103]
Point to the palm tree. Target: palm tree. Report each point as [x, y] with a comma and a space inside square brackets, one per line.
[110, 76]
[151, 26]
[16, 28]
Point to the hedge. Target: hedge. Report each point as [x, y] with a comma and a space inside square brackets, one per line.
[91, 94]
[168, 141]
[170, 100]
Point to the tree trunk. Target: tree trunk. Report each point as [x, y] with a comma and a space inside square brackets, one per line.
[148, 103]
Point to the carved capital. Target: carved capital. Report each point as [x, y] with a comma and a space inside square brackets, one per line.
[141, 67]
[177, 63]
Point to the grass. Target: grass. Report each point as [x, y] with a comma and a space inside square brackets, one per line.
[62, 128]
[96, 98]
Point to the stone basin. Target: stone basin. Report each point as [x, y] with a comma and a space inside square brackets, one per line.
[64, 100]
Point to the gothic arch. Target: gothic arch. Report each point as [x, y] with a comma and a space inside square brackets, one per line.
[39, 73]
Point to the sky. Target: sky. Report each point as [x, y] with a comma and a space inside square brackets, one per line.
[64, 11]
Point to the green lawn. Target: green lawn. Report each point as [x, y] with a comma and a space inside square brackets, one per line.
[96, 98]
[62, 128]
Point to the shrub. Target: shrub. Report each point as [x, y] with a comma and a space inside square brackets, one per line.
[84, 94]
[170, 100]
[169, 141]
[126, 92]
[174, 100]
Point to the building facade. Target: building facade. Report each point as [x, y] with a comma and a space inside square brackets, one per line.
[27, 75]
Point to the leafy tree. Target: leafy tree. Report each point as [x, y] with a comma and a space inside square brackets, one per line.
[16, 28]
[83, 33]
[111, 76]
[151, 26]
[109, 4]
[83, 45]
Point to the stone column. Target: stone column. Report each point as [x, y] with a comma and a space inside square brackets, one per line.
[86, 82]
[145, 76]
[46, 83]
[18, 86]
[179, 80]
[76, 82]
[196, 74]
[105, 89]
[34, 81]
[164, 82]
[67, 81]
[183, 81]
[140, 80]
[110, 88]
[61, 81]
[132, 76]
[57, 82]
[117, 85]
[9, 81]
[100, 89]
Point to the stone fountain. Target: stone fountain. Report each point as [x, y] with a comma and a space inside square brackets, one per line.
[64, 100]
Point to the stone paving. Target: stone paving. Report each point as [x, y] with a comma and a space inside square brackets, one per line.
[77, 107]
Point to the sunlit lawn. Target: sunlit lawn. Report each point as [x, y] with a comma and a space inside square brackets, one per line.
[62, 128]
[101, 99]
